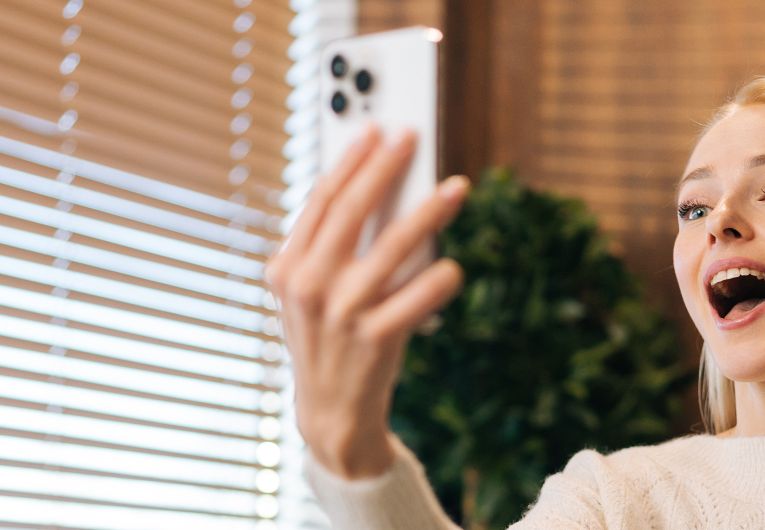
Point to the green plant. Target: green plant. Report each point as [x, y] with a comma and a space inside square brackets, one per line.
[548, 349]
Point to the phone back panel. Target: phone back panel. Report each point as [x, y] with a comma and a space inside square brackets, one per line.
[403, 65]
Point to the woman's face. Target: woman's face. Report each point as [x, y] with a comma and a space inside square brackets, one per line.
[721, 207]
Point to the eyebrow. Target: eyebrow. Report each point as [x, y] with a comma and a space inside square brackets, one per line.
[707, 171]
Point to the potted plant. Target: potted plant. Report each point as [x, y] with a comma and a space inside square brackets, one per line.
[549, 349]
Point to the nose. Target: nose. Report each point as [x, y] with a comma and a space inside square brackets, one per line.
[726, 224]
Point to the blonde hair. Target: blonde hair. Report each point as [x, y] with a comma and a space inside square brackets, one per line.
[717, 393]
[752, 93]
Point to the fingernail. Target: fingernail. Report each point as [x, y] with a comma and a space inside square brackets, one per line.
[454, 187]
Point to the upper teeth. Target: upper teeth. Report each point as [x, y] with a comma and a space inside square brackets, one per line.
[735, 273]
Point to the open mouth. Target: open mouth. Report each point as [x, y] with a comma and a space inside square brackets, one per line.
[735, 292]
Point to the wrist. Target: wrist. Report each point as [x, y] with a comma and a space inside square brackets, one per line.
[357, 457]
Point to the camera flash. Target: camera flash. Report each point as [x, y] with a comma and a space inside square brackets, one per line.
[434, 35]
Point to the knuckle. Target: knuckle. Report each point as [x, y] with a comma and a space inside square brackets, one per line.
[339, 312]
[371, 333]
[305, 291]
[337, 316]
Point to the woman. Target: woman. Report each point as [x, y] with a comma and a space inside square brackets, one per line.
[347, 339]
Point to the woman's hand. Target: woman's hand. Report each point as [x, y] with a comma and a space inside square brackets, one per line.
[346, 336]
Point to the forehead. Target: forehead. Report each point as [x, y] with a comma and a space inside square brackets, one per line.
[731, 141]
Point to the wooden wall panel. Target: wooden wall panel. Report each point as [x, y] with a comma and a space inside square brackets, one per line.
[379, 15]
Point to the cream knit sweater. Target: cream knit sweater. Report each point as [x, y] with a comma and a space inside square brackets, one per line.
[687, 483]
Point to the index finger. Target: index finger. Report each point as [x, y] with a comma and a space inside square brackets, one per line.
[339, 232]
[325, 189]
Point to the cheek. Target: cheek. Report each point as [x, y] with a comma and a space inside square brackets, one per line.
[682, 261]
[687, 256]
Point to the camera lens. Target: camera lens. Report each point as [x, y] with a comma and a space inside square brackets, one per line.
[339, 102]
[363, 81]
[339, 66]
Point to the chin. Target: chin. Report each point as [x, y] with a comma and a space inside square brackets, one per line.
[740, 359]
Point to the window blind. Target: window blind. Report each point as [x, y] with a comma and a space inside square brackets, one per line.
[141, 372]
[316, 23]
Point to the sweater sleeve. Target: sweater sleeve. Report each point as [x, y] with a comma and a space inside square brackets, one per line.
[569, 499]
[399, 499]
[402, 499]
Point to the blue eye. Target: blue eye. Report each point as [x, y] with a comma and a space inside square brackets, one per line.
[692, 211]
[698, 211]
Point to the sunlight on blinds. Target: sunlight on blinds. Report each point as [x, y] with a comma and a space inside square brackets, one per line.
[142, 376]
[316, 23]
[96, 380]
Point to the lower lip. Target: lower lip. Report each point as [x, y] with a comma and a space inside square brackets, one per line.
[751, 316]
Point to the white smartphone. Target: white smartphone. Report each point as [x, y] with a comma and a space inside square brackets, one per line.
[390, 78]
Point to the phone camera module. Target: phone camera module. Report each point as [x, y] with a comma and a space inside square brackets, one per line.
[339, 66]
[339, 102]
[363, 81]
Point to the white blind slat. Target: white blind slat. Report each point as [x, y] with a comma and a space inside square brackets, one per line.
[138, 267]
[166, 329]
[183, 360]
[91, 517]
[109, 461]
[116, 178]
[117, 490]
[131, 238]
[243, 402]
[127, 209]
[243, 319]
[172, 415]
[183, 444]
